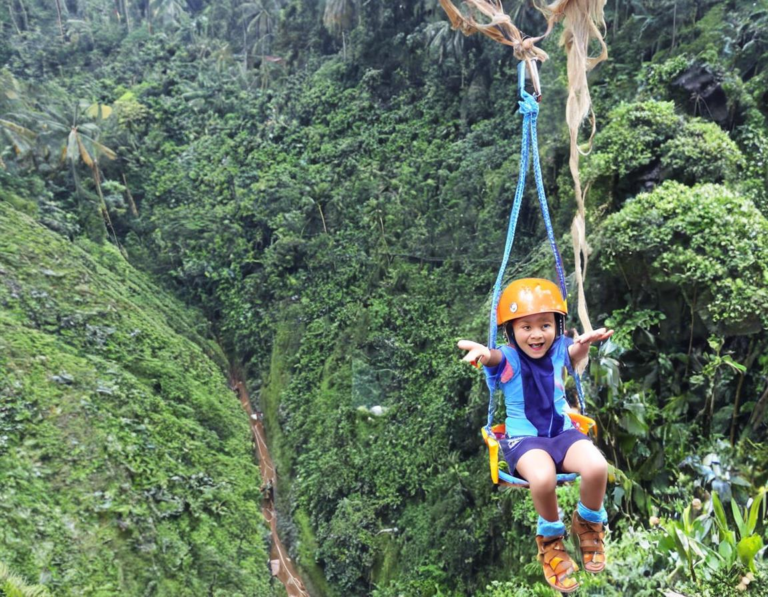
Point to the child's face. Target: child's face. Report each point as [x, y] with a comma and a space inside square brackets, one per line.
[534, 334]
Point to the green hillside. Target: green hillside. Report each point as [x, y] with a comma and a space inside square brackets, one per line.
[125, 460]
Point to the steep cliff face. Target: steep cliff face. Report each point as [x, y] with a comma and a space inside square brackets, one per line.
[126, 461]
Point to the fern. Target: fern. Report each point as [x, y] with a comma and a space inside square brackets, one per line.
[12, 585]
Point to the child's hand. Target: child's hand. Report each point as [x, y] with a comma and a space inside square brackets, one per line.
[579, 350]
[477, 353]
[594, 336]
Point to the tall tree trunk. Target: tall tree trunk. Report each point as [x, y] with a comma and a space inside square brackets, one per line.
[674, 26]
[131, 202]
[24, 15]
[125, 12]
[757, 414]
[245, 49]
[13, 17]
[104, 210]
[751, 356]
[58, 17]
[690, 337]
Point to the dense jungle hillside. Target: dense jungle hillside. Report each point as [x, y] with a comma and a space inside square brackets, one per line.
[125, 461]
[325, 187]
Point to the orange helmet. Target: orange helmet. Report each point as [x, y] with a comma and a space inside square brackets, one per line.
[529, 296]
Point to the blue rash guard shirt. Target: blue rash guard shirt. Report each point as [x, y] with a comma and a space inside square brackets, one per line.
[534, 392]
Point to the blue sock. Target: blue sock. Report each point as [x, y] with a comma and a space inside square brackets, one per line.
[550, 529]
[592, 515]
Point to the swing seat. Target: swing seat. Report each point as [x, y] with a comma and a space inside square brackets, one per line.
[580, 422]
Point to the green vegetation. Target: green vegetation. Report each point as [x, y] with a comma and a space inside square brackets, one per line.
[125, 459]
[329, 183]
[12, 584]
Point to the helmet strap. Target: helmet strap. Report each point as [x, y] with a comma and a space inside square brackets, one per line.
[509, 333]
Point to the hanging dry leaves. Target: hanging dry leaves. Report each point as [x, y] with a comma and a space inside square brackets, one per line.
[499, 27]
[583, 22]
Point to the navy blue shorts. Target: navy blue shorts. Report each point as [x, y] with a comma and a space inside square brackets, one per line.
[557, 447]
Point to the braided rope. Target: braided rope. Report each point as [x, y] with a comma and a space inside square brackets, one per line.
[528, 108]
[583, 25]
[545, 208]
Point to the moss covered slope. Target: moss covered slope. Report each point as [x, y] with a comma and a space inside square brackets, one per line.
[125, 461]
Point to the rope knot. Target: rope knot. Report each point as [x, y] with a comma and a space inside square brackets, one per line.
[528, 105]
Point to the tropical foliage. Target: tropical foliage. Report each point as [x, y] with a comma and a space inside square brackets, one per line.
[125, 459]
[329, 183]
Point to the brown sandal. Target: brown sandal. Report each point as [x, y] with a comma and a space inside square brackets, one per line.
[557, 564]
[591, 542]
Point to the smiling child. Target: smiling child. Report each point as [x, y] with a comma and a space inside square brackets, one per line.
[540, 439]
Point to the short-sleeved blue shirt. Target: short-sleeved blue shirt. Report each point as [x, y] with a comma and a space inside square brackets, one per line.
[534, 390]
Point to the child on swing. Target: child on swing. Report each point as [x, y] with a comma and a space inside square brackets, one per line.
[540, 439]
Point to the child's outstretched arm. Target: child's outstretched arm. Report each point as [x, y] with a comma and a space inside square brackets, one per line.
[478, 353]
[579, 350]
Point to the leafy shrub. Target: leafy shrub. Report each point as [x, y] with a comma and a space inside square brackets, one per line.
[659, 74]
[632, 138]
[707, 240]
[705, 548]
[646, 143]
[702, 152]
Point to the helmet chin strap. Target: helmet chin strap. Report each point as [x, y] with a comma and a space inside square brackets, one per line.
[509, 334]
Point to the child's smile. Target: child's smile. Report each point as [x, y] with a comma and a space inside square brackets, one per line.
[534, 334]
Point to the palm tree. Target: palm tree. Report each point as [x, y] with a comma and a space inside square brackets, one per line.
[445, 41]
[44, 132]
[76, 140]
[170, 12]
[338, 16]
[21, 138]
[82, 144]
[261, 19]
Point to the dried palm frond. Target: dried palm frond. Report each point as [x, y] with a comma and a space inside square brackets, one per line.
[583, 21]
[499, 28]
